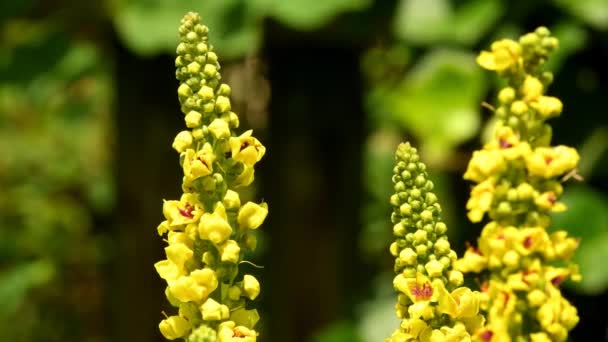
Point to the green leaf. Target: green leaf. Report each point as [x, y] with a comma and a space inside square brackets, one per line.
[472, 20]
[340, 331]
[422, 21]
[433, 21]
[587, 218]
[18, 280]
[150, 26]
[593, 12]
[310, 15]
[377, 316]
[438, 102]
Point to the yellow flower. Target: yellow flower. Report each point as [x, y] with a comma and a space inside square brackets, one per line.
[505, 54]
[251, 215]
[219, 129]
[251, 286]
[174, 327]
[472, 261]
[246, 149]
[179, 253]
[229, 251]
[532, 88]
[245, 178]
[195, 287]
[193, 119]
[548, 201]
[231, 200]
[168, 270]
[481, 199]
[548, 106]
[182, 141]
[215, 226]
[214, 311]
[230, 332]
[540, 337]
[467, 302]
[550, 162]
[446, 334]
[483, 164]
[246, 318]
[200, 163]
[187, 210]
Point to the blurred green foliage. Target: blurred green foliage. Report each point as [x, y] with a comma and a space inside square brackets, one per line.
[54, 175]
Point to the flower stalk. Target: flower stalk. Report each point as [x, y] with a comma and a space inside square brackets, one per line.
[209, 230]
[432, 305]
[517, 176]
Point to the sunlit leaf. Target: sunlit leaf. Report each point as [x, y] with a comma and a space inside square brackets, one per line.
[587, 218]
[594, 12]
[309, 15]
[433, 21]
[148, 26]
[377, 316]
[340, 331]
[437, 101]
[16, 282]
[422, 21]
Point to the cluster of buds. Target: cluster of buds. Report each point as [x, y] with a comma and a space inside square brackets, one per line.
[208, 230]
[518, 179]
[432, 305]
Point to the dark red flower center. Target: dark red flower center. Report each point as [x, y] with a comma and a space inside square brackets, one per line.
[425, 292]
[505, 144]
[528, 241]
[557, 280]
[486, 335]
[187, 211]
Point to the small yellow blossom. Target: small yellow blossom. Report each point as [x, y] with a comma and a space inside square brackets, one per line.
[219, 128]
[251, 286]
[548, 106]
[200, 163]
[483, 164]
[187, 210]
[182, 141]
[230, 332]
[231, 200]
[193, 119]
[214, 226]
[532, 88]
[229, 251]
[246, 149]
[549, 162]
[214, 311]
[505, 54]
[174, 327]
[252, 215]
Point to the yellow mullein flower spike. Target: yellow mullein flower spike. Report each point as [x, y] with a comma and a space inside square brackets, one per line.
[431, 306]
[517, 177]
[208, 229]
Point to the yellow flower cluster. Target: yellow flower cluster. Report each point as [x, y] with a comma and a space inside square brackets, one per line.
[208, 230]
[431, 305]
[517, 185]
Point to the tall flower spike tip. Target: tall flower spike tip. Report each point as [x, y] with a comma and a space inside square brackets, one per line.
[208, 230]
[517, 185]
[431, 305]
